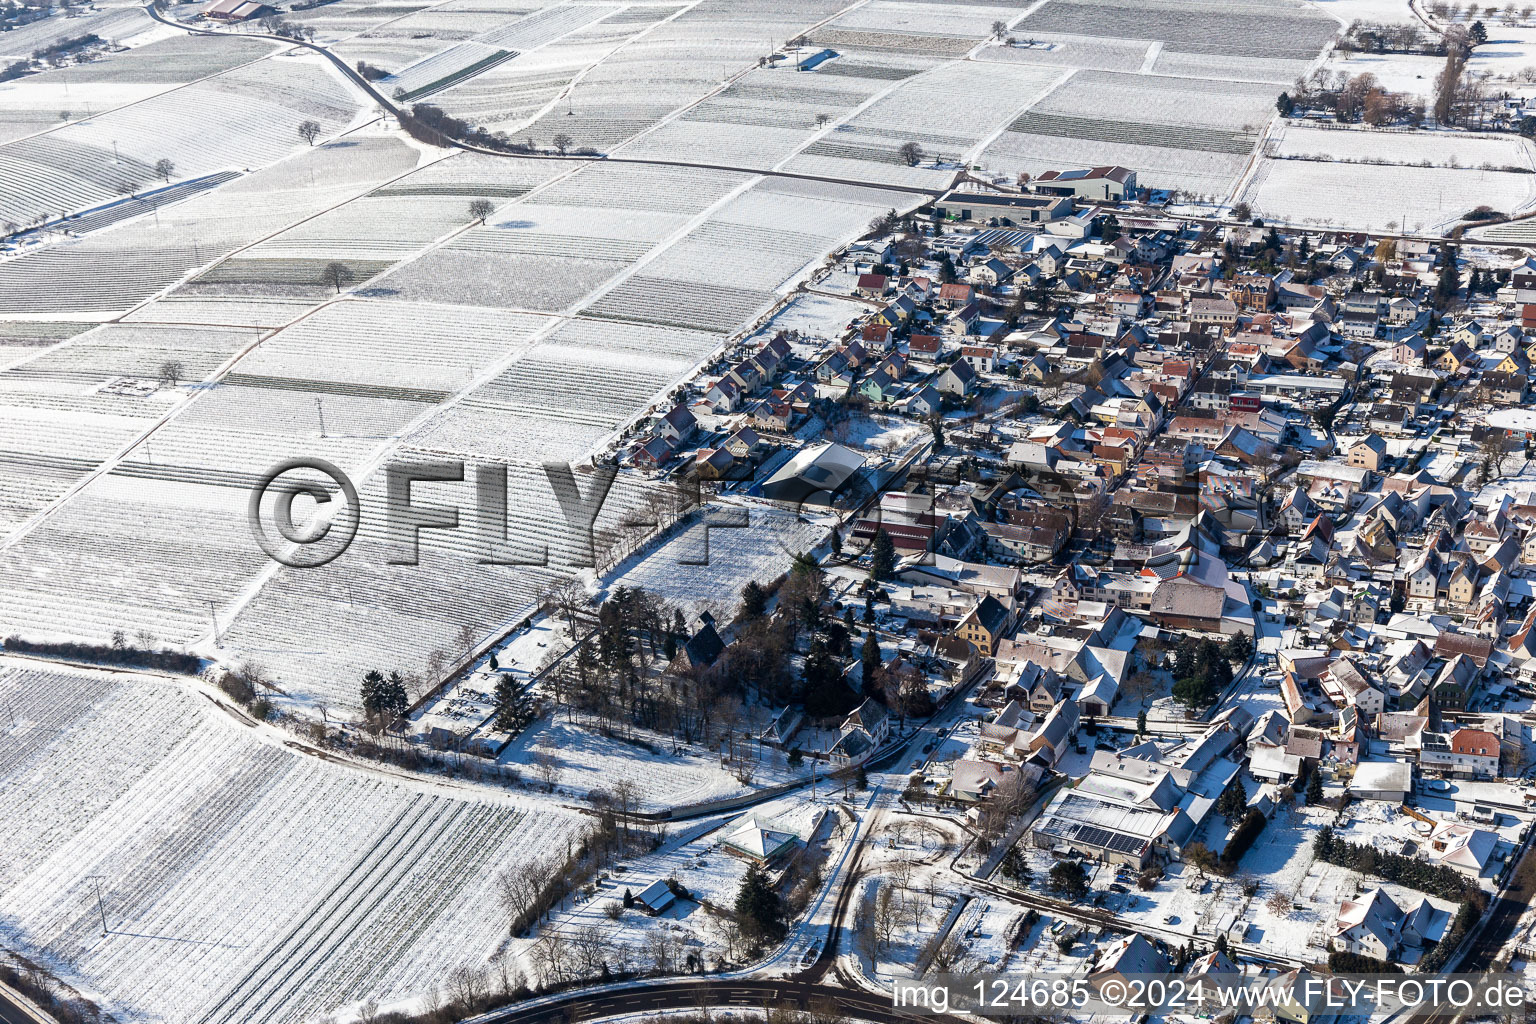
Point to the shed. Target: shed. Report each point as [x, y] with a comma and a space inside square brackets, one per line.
[1382, 780]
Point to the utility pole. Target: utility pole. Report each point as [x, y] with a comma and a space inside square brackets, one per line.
[212, 614]
[100, 907]
[320, 407]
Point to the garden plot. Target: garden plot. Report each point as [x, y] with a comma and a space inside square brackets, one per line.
[680, 62]
[446, 69]
[46, 450]
[702, 567]
[475, 271]
[474, 176]
[117, 268]
[74, 577]
[1373, 196]
[557, 401]
[23, 340]
[626, 187]
[113, 270]
[1086, 53]
[367, 236]
[508, 96]
[174, 355]
[736, 144]
[219, 904]
[256, 314]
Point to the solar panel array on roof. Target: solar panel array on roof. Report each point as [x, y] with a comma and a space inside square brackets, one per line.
[1096, 836]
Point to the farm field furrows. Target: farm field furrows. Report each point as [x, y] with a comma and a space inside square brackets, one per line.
[1177, 132]
[168, 802]
[114, 269]
[1273, 29]
[672, 65]
[947, 111]
[113, 24]
[363, 612]
[94, 161]
[702, 569]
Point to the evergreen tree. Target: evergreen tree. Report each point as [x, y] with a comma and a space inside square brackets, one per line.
[512, 711]
[1069, 879]
[1315, 787]
[882, 556]
[1233, 802]
[1285, 105]
[754, 600]
[872, 660]
[1141, 722]
[759, 908]
[1478, 33]
[937, 425]
[1449, 281]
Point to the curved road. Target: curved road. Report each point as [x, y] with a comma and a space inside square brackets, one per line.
[796, 994]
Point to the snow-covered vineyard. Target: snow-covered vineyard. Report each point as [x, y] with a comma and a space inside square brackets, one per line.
[223, 251]
[585, 293]
[201, 836]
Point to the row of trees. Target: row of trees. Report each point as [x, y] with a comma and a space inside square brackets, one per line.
[1435, 879]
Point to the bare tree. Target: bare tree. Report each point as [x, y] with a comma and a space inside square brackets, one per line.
[171, 372]
[999, 30]
[562, 142]
[165, 168]
[309, 131]
[466, 987]
[1280, 904]
[885, 916]
[911, 153]
[822, 119]
[548, 767]
[479, 209]
[337, 274]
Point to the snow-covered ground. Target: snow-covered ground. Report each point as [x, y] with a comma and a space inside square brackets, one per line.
[201, 834]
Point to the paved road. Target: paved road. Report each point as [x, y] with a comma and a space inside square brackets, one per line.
[12, 1011]
[694, 995]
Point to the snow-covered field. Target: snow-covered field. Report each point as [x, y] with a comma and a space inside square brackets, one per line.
[220, 904]
[1180, 92]
[1429, 199]
[1415, 180]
